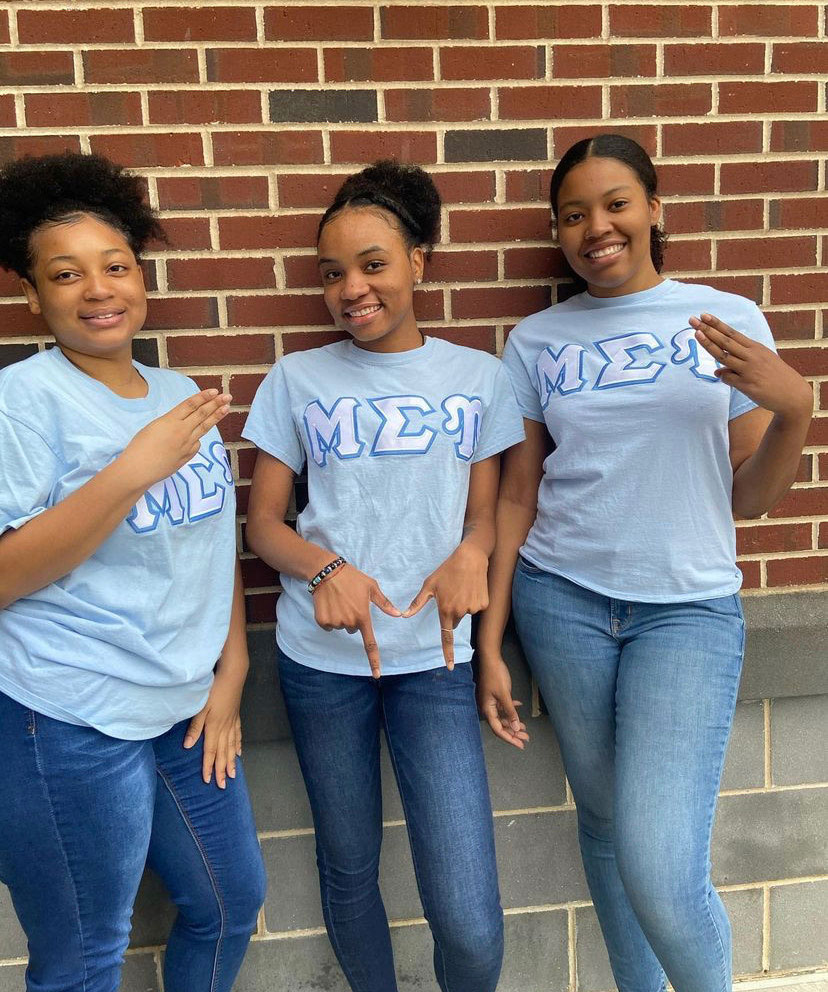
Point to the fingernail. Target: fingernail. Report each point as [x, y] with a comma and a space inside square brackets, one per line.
[188, 742]
[515, 725]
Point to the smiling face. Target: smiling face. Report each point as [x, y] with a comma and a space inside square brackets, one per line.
[88, 286]
[604, 221]
[368, 275]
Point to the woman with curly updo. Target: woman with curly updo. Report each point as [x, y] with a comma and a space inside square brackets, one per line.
[122, 645]
[401, 435]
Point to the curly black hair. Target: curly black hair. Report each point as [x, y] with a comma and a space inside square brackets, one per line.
[629, 153]
[50, 188]
[405, 191]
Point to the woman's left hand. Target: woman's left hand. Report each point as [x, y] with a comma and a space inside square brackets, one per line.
[220, 723]
[753, 369]
[458, 587]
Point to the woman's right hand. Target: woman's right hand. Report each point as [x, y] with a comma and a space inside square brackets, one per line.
[494, 700]
[343, 602]
[170, 441]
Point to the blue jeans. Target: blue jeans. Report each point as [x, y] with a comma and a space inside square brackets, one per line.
[642, 698]
[82, 813]
[433, 734]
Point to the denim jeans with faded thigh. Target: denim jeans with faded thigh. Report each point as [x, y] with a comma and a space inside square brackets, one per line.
[433, 734]
[80, 816]
[642, 697]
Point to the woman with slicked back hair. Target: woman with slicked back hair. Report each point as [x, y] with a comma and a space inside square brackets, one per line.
[619, 549]
[401, 435]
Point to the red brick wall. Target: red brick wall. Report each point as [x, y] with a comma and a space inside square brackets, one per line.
[245, 116]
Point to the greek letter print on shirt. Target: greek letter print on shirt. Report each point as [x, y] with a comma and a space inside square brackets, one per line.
[197, 490]
[629, 359]
[404, 426]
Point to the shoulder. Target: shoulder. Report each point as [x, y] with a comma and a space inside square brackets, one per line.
[24, 380]
[702, 296]
[541, 323]
[298, 364]
[468, 357]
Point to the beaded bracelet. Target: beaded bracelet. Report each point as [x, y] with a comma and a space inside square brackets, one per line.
[323, 573]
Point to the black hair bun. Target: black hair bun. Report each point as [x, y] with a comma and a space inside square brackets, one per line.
[405, 190]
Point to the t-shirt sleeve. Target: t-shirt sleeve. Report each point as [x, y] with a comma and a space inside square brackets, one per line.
[502, 422]
[756, 327]
[30, 472]
[522, 383]
[270, 424]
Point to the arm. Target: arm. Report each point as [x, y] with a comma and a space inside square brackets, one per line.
[458, 586]
[765, 443]
[50, 545]
[342, 601]
[516, 510]
[219, 717]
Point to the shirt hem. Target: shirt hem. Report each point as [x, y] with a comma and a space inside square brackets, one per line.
[461, 656]
[636, 597]
[119, 731]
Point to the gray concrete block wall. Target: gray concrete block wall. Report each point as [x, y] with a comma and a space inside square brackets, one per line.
[770, 855]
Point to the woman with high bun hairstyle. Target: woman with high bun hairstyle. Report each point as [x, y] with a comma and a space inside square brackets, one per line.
[401, 435]
[122, 634]
[618, 548]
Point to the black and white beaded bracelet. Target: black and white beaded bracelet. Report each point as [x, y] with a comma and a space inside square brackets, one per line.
[324, 573]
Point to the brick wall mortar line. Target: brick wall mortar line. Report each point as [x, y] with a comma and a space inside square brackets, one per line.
[221, 308]
[766, 929]
[767, 717]
[326, 147]
[407, 126]
[145, 113]
[377, 23]
[187, 4]
[14, 37]
[138, 25]
[572, 948]
[320, 65]
[491, 18]
[77, 66]
[605, 22]
[202, 66]
[19, 110]
[260, 25]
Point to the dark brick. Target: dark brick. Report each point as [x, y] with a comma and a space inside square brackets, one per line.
[36, 68]
[145, 351]
[304, 106]
[496, 145]
[11, 353]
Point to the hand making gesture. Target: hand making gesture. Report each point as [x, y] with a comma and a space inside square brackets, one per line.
[753, 368]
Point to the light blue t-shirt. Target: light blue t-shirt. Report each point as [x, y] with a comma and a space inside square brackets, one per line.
[635, 500]
[127, 641]
[389, 440]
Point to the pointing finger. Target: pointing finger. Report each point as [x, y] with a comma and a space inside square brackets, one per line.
[371, 646]
[447, 638]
